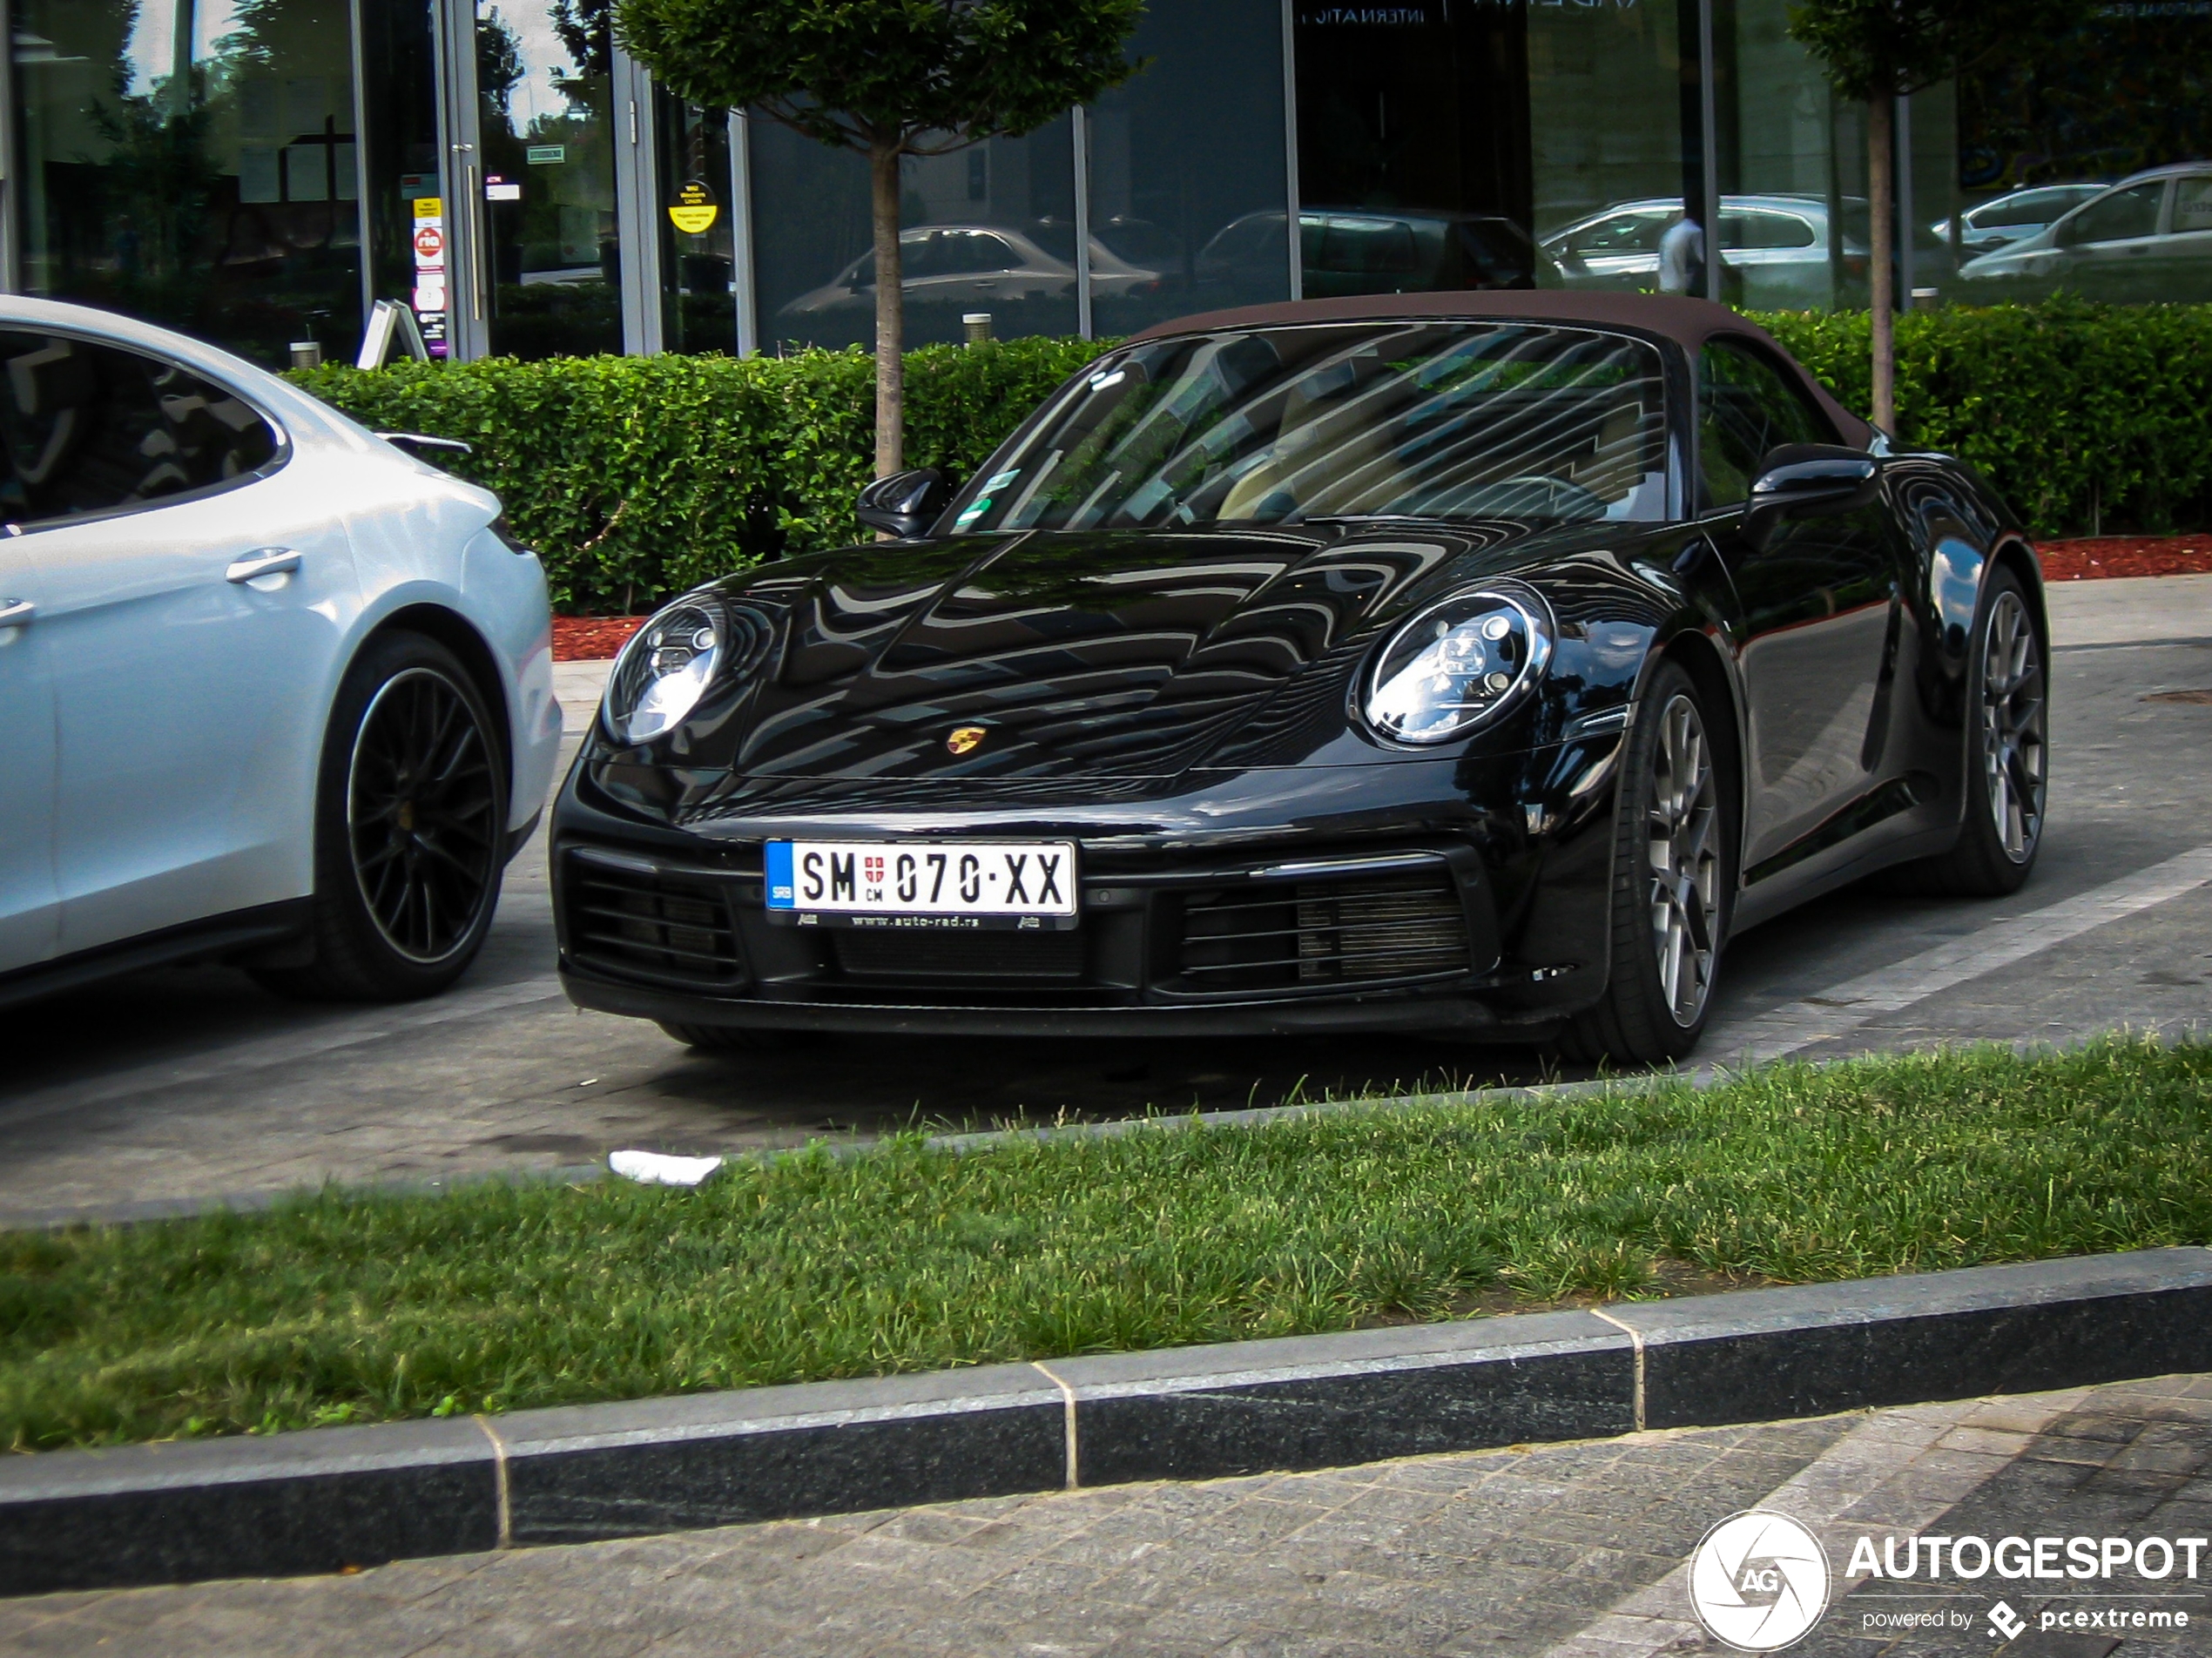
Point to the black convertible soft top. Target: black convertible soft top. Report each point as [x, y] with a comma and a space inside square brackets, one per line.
[1687, 321]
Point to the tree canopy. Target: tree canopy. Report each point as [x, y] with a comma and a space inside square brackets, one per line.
[862, 74]
[1890, 48]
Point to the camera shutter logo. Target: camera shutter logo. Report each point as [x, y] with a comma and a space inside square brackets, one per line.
[1758, 1581]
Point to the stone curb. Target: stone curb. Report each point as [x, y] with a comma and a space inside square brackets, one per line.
[317, 1500]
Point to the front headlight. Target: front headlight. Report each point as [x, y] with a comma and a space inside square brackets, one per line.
[662, 672]
[1458, 664]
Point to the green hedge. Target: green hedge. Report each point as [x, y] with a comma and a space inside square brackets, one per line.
[2082, 415]
[639, 477]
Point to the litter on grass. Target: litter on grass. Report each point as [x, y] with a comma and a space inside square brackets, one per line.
[652, 1168]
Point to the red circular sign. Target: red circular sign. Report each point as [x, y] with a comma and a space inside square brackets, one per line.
[429, 241]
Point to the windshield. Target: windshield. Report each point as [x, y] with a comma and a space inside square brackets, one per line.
[1369, 419]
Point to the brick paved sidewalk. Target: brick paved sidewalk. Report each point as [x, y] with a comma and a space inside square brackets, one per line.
[1574, 1550]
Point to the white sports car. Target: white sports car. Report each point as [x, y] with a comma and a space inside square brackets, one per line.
[277, 692]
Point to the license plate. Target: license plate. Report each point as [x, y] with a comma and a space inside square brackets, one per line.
[957, 884]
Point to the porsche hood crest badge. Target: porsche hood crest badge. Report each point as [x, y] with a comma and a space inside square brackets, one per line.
[965, 738]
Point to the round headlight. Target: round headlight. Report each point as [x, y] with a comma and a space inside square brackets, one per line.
[1457, 664]
[662, 672]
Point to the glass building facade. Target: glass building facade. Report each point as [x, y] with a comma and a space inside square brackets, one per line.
[261, 172]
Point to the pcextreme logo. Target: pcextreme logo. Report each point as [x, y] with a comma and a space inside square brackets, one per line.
[1758, 1581]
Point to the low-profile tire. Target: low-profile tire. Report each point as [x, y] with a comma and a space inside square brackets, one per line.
[2007, 760]
[1674, 876]
[732, 1039]
[411, 829]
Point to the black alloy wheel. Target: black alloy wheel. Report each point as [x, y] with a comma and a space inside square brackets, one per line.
[2007, 757]
[411, 829]
[1673, 884]
[422, 818]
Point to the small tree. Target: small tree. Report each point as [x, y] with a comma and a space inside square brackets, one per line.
[890, 78]
[1876, 51]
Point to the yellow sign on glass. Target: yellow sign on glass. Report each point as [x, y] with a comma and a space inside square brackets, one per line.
[694, 209]
[429, 207]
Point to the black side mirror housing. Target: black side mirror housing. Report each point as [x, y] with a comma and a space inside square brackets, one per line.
[1805, 480]
[906, 503]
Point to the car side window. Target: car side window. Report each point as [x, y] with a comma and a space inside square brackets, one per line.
[1746, 409]
[2192, 205]
[2119, 217]
[92, 428]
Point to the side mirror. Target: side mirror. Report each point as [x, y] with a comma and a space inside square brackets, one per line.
[1802, 480]
[906, 503]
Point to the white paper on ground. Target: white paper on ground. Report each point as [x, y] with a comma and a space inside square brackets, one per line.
[655, 1170]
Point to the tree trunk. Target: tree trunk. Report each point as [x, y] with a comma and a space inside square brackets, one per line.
[1881, 252]
[890, 312]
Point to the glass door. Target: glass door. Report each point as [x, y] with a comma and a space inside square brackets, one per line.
[695, 221]
[551, 272]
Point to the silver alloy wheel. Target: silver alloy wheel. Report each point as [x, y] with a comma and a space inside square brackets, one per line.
[2011, 726]
[1682, 834]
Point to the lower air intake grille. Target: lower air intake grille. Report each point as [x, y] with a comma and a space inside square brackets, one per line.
[650, 924]
[925, 953]
[1286, 936]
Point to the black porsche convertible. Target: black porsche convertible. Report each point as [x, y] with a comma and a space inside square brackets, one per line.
[1465, 663]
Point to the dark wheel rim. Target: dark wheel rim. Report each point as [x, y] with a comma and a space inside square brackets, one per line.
[1682, 829]
[422, 815]
[2011, 726]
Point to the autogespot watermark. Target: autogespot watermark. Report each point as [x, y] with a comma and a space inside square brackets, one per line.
[1760, 1581]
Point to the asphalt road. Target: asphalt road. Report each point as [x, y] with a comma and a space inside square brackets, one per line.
[188, 1085]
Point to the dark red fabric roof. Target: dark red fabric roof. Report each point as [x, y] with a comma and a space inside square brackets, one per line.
[1688, 322]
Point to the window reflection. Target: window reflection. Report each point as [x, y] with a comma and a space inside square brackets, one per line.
[1189, 186]
[193, 162]
[988, 228]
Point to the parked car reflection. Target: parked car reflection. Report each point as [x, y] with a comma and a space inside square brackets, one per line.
[1774, 250]
[2010, 218]
[1345, 251]
[2147, 238]
[954, 268]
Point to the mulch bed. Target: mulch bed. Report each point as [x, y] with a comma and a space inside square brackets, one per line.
[591, 638]
[2089, 558]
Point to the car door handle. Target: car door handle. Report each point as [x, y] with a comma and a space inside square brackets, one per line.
[17, 613]
[269, 561]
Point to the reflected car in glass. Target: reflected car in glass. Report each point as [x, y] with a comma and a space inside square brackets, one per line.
[1434, 663]
[1347, 251]
[1774, 250]
[2147, 239]
[278, 692]
[959, 268]
[2008, 219]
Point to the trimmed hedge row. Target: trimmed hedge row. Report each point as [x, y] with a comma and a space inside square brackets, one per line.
[2086, 417]
[638, 476]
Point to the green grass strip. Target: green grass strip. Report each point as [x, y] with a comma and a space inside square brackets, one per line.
[347, 1307]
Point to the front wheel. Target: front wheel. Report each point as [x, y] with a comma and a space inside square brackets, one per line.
[1672, 876]
[411, 829]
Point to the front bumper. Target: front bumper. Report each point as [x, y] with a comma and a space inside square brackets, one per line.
[1203, 913]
